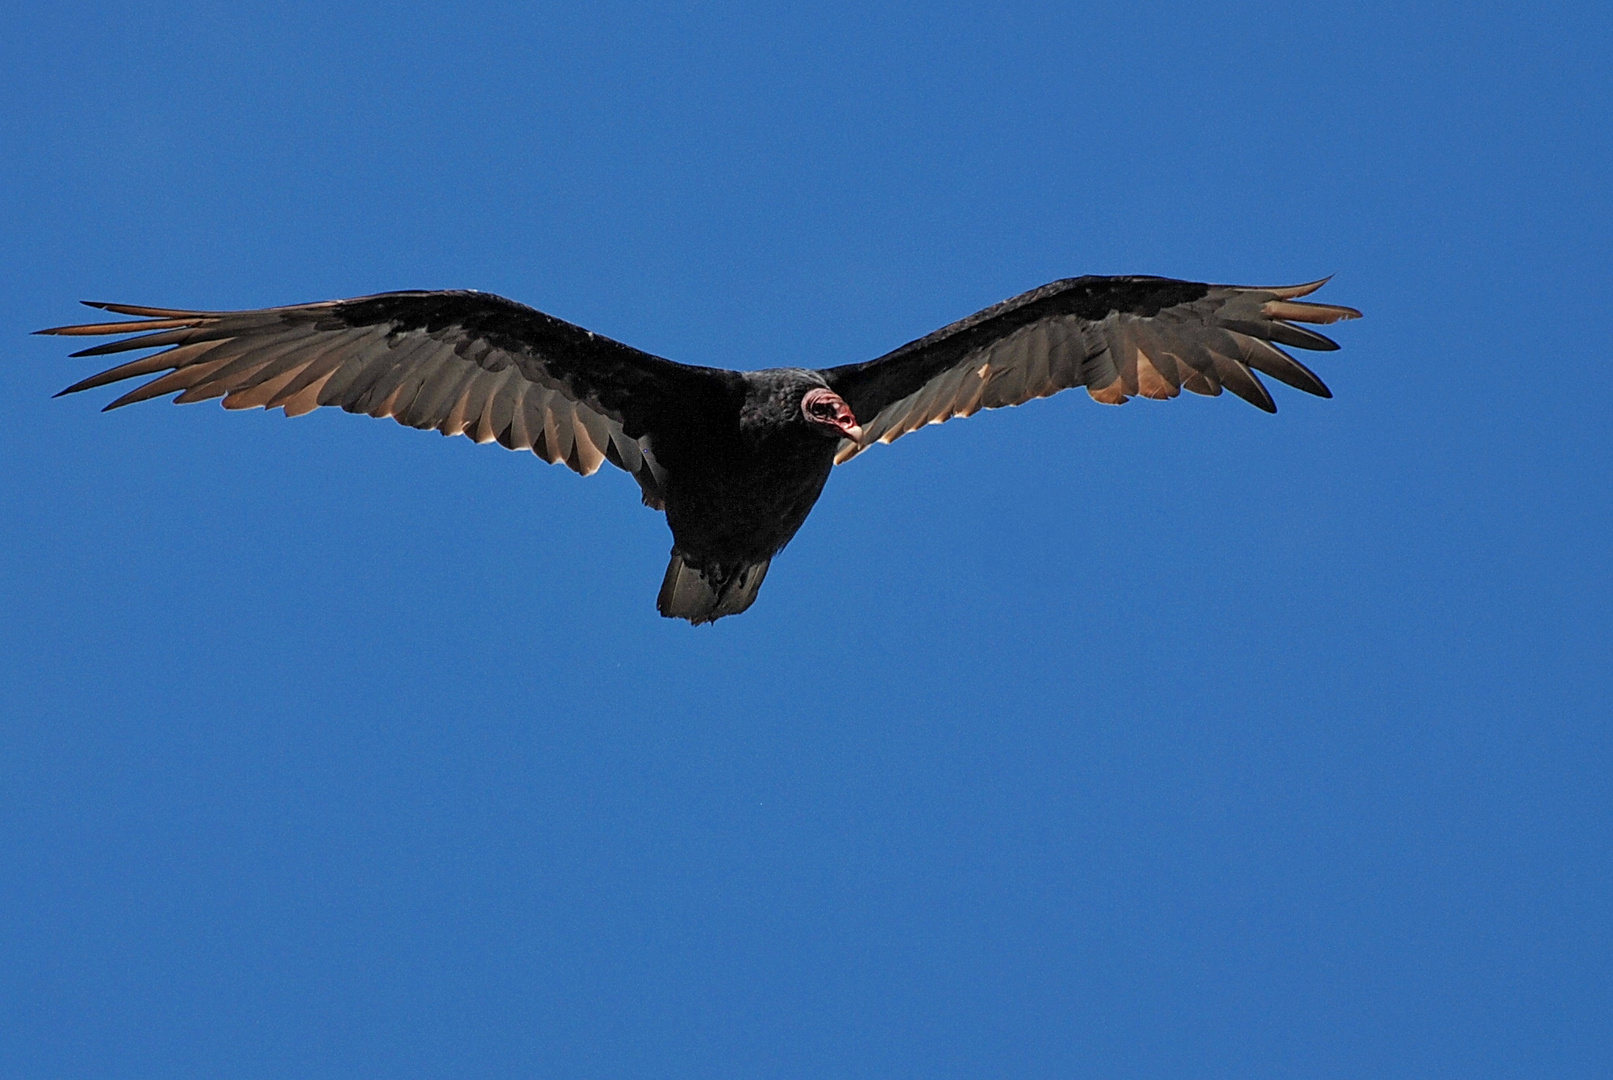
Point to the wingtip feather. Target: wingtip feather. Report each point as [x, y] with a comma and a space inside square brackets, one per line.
[1294, 311]
[1292, 292]
[142, 311]
[121, 327]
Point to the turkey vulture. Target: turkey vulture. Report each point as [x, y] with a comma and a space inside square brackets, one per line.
[735, 459]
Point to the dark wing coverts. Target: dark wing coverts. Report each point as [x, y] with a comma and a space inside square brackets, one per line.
[1118, 336]
[460, 362]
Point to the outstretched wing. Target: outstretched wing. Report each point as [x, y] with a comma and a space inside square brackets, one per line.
[1118, 336]
[461, 362]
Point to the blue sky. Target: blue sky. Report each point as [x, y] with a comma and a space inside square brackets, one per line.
[1169, 740]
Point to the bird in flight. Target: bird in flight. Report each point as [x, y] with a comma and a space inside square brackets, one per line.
[735, 459]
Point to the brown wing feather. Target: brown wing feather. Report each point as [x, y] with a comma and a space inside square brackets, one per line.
[462, 363]
[1118, 337]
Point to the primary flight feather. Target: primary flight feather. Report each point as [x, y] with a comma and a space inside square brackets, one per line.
[735, 459]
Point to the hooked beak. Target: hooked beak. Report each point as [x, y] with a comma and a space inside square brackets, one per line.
[854, 433]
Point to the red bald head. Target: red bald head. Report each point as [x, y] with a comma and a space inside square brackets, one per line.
[829, 412]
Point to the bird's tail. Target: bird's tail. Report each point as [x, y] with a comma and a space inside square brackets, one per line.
[703, 596]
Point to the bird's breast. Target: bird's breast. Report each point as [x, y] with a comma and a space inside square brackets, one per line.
[741, 507]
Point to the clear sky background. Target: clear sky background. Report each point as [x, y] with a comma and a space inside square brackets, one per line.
[1163, 741]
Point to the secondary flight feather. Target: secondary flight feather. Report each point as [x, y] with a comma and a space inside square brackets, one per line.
[736, 460]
